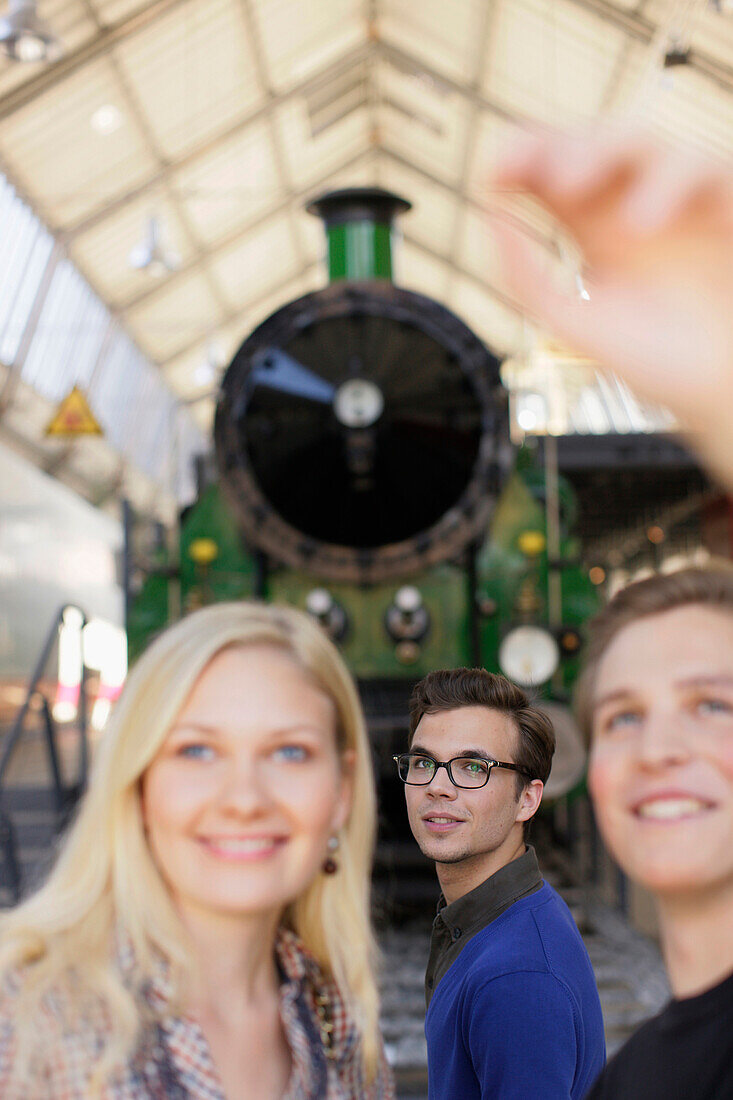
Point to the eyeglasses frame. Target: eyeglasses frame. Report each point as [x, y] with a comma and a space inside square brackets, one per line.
[447, 765]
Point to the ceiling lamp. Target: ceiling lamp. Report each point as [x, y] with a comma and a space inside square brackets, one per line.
[24, 36]
[151, 256]
[209, 369]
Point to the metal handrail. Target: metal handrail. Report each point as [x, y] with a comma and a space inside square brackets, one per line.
[8, 843]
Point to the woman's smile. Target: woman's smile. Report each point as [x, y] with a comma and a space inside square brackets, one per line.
[243, 795]
[242, 848]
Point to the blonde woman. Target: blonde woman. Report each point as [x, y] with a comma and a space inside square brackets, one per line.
[205, 932]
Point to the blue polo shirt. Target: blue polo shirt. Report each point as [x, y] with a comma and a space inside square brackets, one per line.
[516, 1015]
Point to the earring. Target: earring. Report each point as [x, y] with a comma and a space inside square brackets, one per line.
[330, 865]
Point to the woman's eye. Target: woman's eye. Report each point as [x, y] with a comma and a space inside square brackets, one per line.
[714, 706]
[621, 721]
[196, 751]
[291, 754]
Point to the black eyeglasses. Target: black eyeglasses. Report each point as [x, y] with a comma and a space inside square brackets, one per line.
[468, 772]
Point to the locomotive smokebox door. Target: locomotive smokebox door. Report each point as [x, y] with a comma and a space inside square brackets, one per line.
[362, 430]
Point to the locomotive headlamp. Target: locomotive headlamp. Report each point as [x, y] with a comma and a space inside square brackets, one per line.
[358, 403]
[319, 602]
[408, 599]
[203, 551]
[531, 543]
[529, 655]
[407, 619]
[328, 612]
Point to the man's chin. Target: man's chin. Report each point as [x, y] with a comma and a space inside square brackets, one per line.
[440, 855]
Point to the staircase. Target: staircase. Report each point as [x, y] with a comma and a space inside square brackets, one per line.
[43, 769]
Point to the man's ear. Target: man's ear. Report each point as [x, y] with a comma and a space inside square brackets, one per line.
[529, 800]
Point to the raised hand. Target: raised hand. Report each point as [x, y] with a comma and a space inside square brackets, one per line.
[655, 227]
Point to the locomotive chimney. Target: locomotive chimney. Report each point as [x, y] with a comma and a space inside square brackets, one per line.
[358, 222]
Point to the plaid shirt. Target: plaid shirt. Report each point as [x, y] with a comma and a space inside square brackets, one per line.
[173, 1060]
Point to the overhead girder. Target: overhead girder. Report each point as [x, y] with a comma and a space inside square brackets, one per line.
[200, 152]
[295, 196]
[636, 26]
[481, 48]
[55, 72]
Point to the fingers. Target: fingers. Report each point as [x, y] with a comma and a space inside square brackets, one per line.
[670, 188]
[617, 174]
[568, 168]
[530, 281]
[607, 327]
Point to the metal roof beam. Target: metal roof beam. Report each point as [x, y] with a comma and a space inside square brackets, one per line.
[294, 196]
[7, 393]
[253, 304]
[260, 114]
[405, 61]
[488, 288]
[643, 30]
[278, 151]
[483, 39]
[70, 63]
[231, 318]
[431, 178]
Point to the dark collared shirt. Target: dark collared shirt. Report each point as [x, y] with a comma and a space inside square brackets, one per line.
[456, 924]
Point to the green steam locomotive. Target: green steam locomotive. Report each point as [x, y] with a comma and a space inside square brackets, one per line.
[365, 474]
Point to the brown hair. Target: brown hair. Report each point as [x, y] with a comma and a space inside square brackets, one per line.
[449, 688]
[711, 586]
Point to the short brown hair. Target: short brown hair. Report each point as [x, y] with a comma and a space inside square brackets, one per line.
[449, 688]
[710, 586]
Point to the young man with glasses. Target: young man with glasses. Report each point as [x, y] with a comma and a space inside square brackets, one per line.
[513, 1009]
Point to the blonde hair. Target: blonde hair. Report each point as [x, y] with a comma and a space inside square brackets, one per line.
[105, 878]
[710, 585]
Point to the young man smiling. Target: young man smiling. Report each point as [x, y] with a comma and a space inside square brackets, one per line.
[513, 1010]
[657, 698]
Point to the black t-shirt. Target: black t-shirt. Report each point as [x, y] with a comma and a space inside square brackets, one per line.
[684, 1053]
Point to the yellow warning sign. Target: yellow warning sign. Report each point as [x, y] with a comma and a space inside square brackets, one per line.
[74, 417]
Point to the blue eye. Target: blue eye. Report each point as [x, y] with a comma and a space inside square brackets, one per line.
[292, 754]
[714, 706]
[196, 751]
[622, 720]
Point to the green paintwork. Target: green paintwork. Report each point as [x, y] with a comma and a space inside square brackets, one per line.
[368, 648]
[502, 571]
[229, 577]
[359, 250]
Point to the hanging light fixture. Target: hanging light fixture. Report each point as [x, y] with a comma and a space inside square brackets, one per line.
[151, 255]
[24, 36]
[209, 369]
